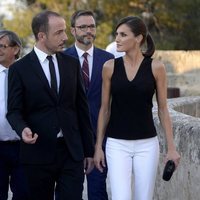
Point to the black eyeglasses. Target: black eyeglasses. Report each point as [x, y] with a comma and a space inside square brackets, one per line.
[4, 46]
[84, 28]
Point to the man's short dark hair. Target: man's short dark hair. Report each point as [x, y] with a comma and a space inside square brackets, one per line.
[40, 22]
[79, 13]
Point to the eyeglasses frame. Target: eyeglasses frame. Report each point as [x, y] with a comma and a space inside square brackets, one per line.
[84, 27]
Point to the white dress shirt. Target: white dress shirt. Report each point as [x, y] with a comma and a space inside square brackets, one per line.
[6, 132]
[89, 58]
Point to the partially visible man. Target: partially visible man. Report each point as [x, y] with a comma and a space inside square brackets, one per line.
[11, 172]
[83, 28]
[47, 107]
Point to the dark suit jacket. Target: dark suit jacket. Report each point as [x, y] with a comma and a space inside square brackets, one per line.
[94, 91]
[32, 103]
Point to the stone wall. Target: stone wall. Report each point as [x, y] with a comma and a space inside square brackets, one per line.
[184, 185]
[183, 70]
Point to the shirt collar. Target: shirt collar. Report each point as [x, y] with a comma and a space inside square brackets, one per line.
[2, 68]
[81, 52]
[42, 55]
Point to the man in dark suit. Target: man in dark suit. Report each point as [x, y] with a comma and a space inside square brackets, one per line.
[83, 28]
[47, 107]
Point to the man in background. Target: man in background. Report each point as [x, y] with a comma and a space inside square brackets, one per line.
[83, 28]
[11, 172]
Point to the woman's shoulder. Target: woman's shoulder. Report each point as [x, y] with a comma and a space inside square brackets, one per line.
[157, 64]
[109, 63]
[108, 67]
[158, 67]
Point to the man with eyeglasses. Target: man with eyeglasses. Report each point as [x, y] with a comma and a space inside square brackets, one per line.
[11, 172]
[83, 28]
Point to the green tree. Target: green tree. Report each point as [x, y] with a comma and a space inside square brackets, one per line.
[173, 24]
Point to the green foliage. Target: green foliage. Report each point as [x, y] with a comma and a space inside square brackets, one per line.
[21, 24]
[175, 23]
[103, 30]
[179, 22]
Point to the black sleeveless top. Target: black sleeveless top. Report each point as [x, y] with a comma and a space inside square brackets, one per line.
[131, 108]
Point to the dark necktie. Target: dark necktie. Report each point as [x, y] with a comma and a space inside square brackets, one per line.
[53, 80]
[85, 71]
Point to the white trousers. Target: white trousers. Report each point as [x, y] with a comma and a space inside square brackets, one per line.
[132, 158]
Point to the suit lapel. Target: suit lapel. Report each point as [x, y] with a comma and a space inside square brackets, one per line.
[61, 65]
[73, 52]
[37, 68]
[95, 68]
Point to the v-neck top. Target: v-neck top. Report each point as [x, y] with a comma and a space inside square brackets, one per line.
[131, 107]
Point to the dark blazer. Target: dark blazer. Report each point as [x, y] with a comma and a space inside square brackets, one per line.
[32, 103]
[94, 91]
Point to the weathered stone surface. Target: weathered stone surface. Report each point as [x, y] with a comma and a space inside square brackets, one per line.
[183, 70]
[179, 61]
[184, 184]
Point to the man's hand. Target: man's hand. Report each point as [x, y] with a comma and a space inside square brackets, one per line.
[28, 137]
[88, 165]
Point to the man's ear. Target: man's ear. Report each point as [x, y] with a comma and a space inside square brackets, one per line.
[41, 36]
[72, 29]
[16, 49]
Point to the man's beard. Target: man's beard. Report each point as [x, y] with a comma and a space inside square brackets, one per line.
[83, 39]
